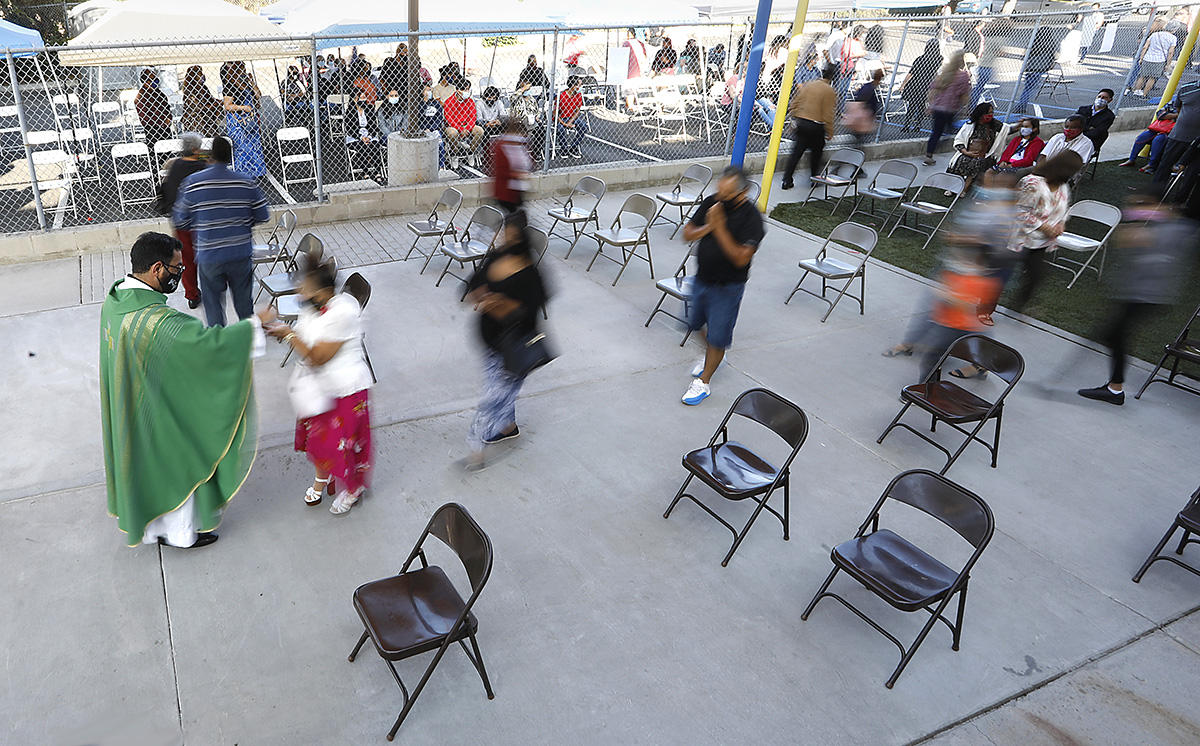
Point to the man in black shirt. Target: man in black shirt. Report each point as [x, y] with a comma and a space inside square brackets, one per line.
[729, 229]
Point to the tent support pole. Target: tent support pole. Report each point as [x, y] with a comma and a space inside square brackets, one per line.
[16, 88]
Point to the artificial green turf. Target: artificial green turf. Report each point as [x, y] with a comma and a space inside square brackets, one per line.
[1080, 310]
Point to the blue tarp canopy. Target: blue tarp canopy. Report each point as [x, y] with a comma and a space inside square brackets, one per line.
[13, 36]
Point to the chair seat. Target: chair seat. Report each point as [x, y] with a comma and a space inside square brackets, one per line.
[618, 236]
[731, 469]
[925, 208]
[679, 287]
[830, 269]
[881, 193]
[832, 180]
[411, 613]
[288, 307]
[949, 401]
[1188, 351]
[425, 228]
[297, 158]
[683, 198]
[1075, 242]
[569, 216]
[891, 566]
[280, 283]
[465, 251]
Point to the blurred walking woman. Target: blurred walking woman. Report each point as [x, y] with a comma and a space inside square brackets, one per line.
[332, 376]
[201, 110]
[946, 96]
[241, 118]
[508, 293]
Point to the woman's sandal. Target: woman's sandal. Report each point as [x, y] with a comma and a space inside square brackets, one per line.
[345, 501]
[898, 351]
[312, 497]
[986, 319]
[979, 373]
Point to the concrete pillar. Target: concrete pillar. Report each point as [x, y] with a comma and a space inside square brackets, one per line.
[412, 160]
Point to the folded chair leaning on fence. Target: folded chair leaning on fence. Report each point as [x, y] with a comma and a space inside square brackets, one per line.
[1187, 519]
[1181, 350]
[1097, 212]
[903, 574]
[687, 193]
[578, 210]
[951, 183]
[137, 154]
[863, 239]
[948, 402]
[893, 179]
[735, 472]
[626, 239]
[439, 223]
[418, 610]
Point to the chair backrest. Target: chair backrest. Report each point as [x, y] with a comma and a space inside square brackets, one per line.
[1037, 111]
[945, 182]
[168, 147]
[753, 190]
[130, 149]
[859, 236]
[902, 172]
[537, 242]
[985, 352]
[105, 107]
[287, 222]
[698, 174]
[290, 134]
[450, 201]
[357, 286]
[773, 412]
[640, 205]
[42, 137]
[589, 186]
[845, 159]
[950, 503]
[310, 246]
[487, 217]
[455, 528]
[1100, 212]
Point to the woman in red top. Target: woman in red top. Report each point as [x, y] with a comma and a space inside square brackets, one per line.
[572, 124]
[1022, 150]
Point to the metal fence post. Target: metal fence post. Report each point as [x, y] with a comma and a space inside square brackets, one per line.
[1024, 63]
[736, 109]
[551, 102]
[892, 83]
[37, 193]
[315, 77]
[1133, 61]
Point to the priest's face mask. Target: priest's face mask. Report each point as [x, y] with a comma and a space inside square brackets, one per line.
[169, 275]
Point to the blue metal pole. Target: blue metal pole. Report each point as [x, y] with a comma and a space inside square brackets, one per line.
[750, 87]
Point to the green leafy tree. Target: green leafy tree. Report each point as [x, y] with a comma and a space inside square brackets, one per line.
[48, 19]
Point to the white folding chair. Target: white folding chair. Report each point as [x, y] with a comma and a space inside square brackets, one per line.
[862, 240]
[56, 169]
[841, 171]
[43, 140]
[685, 195]
[10, 123]
[133, 123]
[81, 143]
[620, 235]
[669, 113]
[578, 210]
[107, 116]
[66, 110]
[950, 183]
[893, 179]
[292, 156]
[136, 156]
[165, 150]
[1098, 212]
[439, 223]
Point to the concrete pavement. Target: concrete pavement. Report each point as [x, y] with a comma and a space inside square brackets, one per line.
[602, 622]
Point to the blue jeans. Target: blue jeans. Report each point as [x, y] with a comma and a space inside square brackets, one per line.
[238, 276]
[941, 122]
[717, 307]
[765, 110]
[1033, 84]
[498, 405]
[569, 138]
[1156, 140]
[983, 76]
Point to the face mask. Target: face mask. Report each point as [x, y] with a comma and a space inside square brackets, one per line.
[171, 284]
[986, 118]
[1026, 131]
[428, 95]
[393, 100]
[1071, 134]
[1101, 103]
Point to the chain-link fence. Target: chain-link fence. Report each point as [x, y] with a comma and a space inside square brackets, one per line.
[86, 134]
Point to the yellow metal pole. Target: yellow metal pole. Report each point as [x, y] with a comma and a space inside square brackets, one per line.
[785, 93]
[1181, 63]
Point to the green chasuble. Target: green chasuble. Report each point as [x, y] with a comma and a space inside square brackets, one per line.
[177, 404]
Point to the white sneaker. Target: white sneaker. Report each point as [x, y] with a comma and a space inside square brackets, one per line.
[473, 160]
[697, 392]
[454, 162]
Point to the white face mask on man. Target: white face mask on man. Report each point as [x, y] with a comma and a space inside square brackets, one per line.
[1026, 131]
[1101, 102]
[393, 100]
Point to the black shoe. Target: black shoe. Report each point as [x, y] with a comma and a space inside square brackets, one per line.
[194, 303]
[202, 540]
[1102, 393]
[516, 431]
[787, 184]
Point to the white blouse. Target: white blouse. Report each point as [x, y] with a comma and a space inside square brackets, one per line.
[346, 372]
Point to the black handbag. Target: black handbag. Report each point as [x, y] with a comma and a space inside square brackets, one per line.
[524, 351]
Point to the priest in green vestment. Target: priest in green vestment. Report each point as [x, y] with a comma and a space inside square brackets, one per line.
[177, 403]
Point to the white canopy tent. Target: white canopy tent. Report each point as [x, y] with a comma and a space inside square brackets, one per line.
[134, 31]
[787, 8]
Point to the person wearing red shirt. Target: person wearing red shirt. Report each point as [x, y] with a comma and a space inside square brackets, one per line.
[572, 125]
[463, 134]
[510, 166]
[1022, 151]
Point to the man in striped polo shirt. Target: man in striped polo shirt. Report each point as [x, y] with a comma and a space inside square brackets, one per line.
[220, 207]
